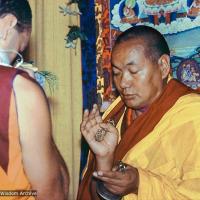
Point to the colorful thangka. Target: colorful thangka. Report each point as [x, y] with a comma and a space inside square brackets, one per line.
[177, 20]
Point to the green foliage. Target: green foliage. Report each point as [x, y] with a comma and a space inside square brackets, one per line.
[74, 32]
[67, 11]
[78, 2]
[50, 79]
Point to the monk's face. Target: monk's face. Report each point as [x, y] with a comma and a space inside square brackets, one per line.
[138, 80]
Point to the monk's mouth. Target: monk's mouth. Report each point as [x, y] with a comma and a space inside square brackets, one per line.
[128, 97]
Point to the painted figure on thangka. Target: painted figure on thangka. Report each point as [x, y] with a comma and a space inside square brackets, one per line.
[177, 20]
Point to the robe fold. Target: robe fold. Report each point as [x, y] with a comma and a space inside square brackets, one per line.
[12, 175]
[159, 144]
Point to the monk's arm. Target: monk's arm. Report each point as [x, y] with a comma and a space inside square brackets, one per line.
[102, 164]
[43, 163]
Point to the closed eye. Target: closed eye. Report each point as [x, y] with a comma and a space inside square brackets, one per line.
[116, 71]
[133, 68]
[134, 72]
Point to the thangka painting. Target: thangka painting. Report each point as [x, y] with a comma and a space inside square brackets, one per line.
[177, 20]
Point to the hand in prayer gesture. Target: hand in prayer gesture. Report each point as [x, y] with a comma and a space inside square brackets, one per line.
[101, 137]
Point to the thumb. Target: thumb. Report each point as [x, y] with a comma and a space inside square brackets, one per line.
[114, 169]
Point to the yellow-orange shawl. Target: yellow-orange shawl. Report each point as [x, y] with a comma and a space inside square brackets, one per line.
[137, 131]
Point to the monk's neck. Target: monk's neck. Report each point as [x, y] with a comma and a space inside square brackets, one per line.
[138, 112]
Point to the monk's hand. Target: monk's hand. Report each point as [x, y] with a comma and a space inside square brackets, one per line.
[120, 183]
[101, 137]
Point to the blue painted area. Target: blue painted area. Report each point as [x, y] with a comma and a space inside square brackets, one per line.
[185, 56]
[173, 16]
[88, 26]
[189, 3]
[151, 19]
[122, 5]
[185, 43]
[113, 2]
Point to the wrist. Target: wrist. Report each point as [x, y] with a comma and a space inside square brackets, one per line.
[104, 193]
[104, 163]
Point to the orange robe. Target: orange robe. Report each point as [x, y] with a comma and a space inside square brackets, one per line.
[137, 130]
[12, 175]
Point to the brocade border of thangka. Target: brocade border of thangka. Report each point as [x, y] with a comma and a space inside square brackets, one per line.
[103, 46]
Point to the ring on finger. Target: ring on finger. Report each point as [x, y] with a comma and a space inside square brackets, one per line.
[121, 167]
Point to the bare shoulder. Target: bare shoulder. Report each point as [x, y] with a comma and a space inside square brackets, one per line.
[27, 89]
[32, 109]
[42, 162]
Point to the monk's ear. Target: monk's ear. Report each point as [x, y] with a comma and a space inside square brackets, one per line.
[8, 22]
[24, 39]
[164, 64]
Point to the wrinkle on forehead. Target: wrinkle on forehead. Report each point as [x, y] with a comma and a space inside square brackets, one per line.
[137, 44]
[135, 50]
[126, 50]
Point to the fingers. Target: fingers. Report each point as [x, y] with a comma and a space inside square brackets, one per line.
[85, 116]
[118, 182]
[114, 189]
[86, 126]
[113, 178]
[84, 120]
[108, 175]
[112, 182]
[109, 127]
[97, 115]
[90, 120]
[92, 117]
[114, 169]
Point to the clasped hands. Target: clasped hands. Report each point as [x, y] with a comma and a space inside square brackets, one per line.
[120, 183]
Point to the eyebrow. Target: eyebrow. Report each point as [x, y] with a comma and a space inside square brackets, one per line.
[113, 65]
[130, 63]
